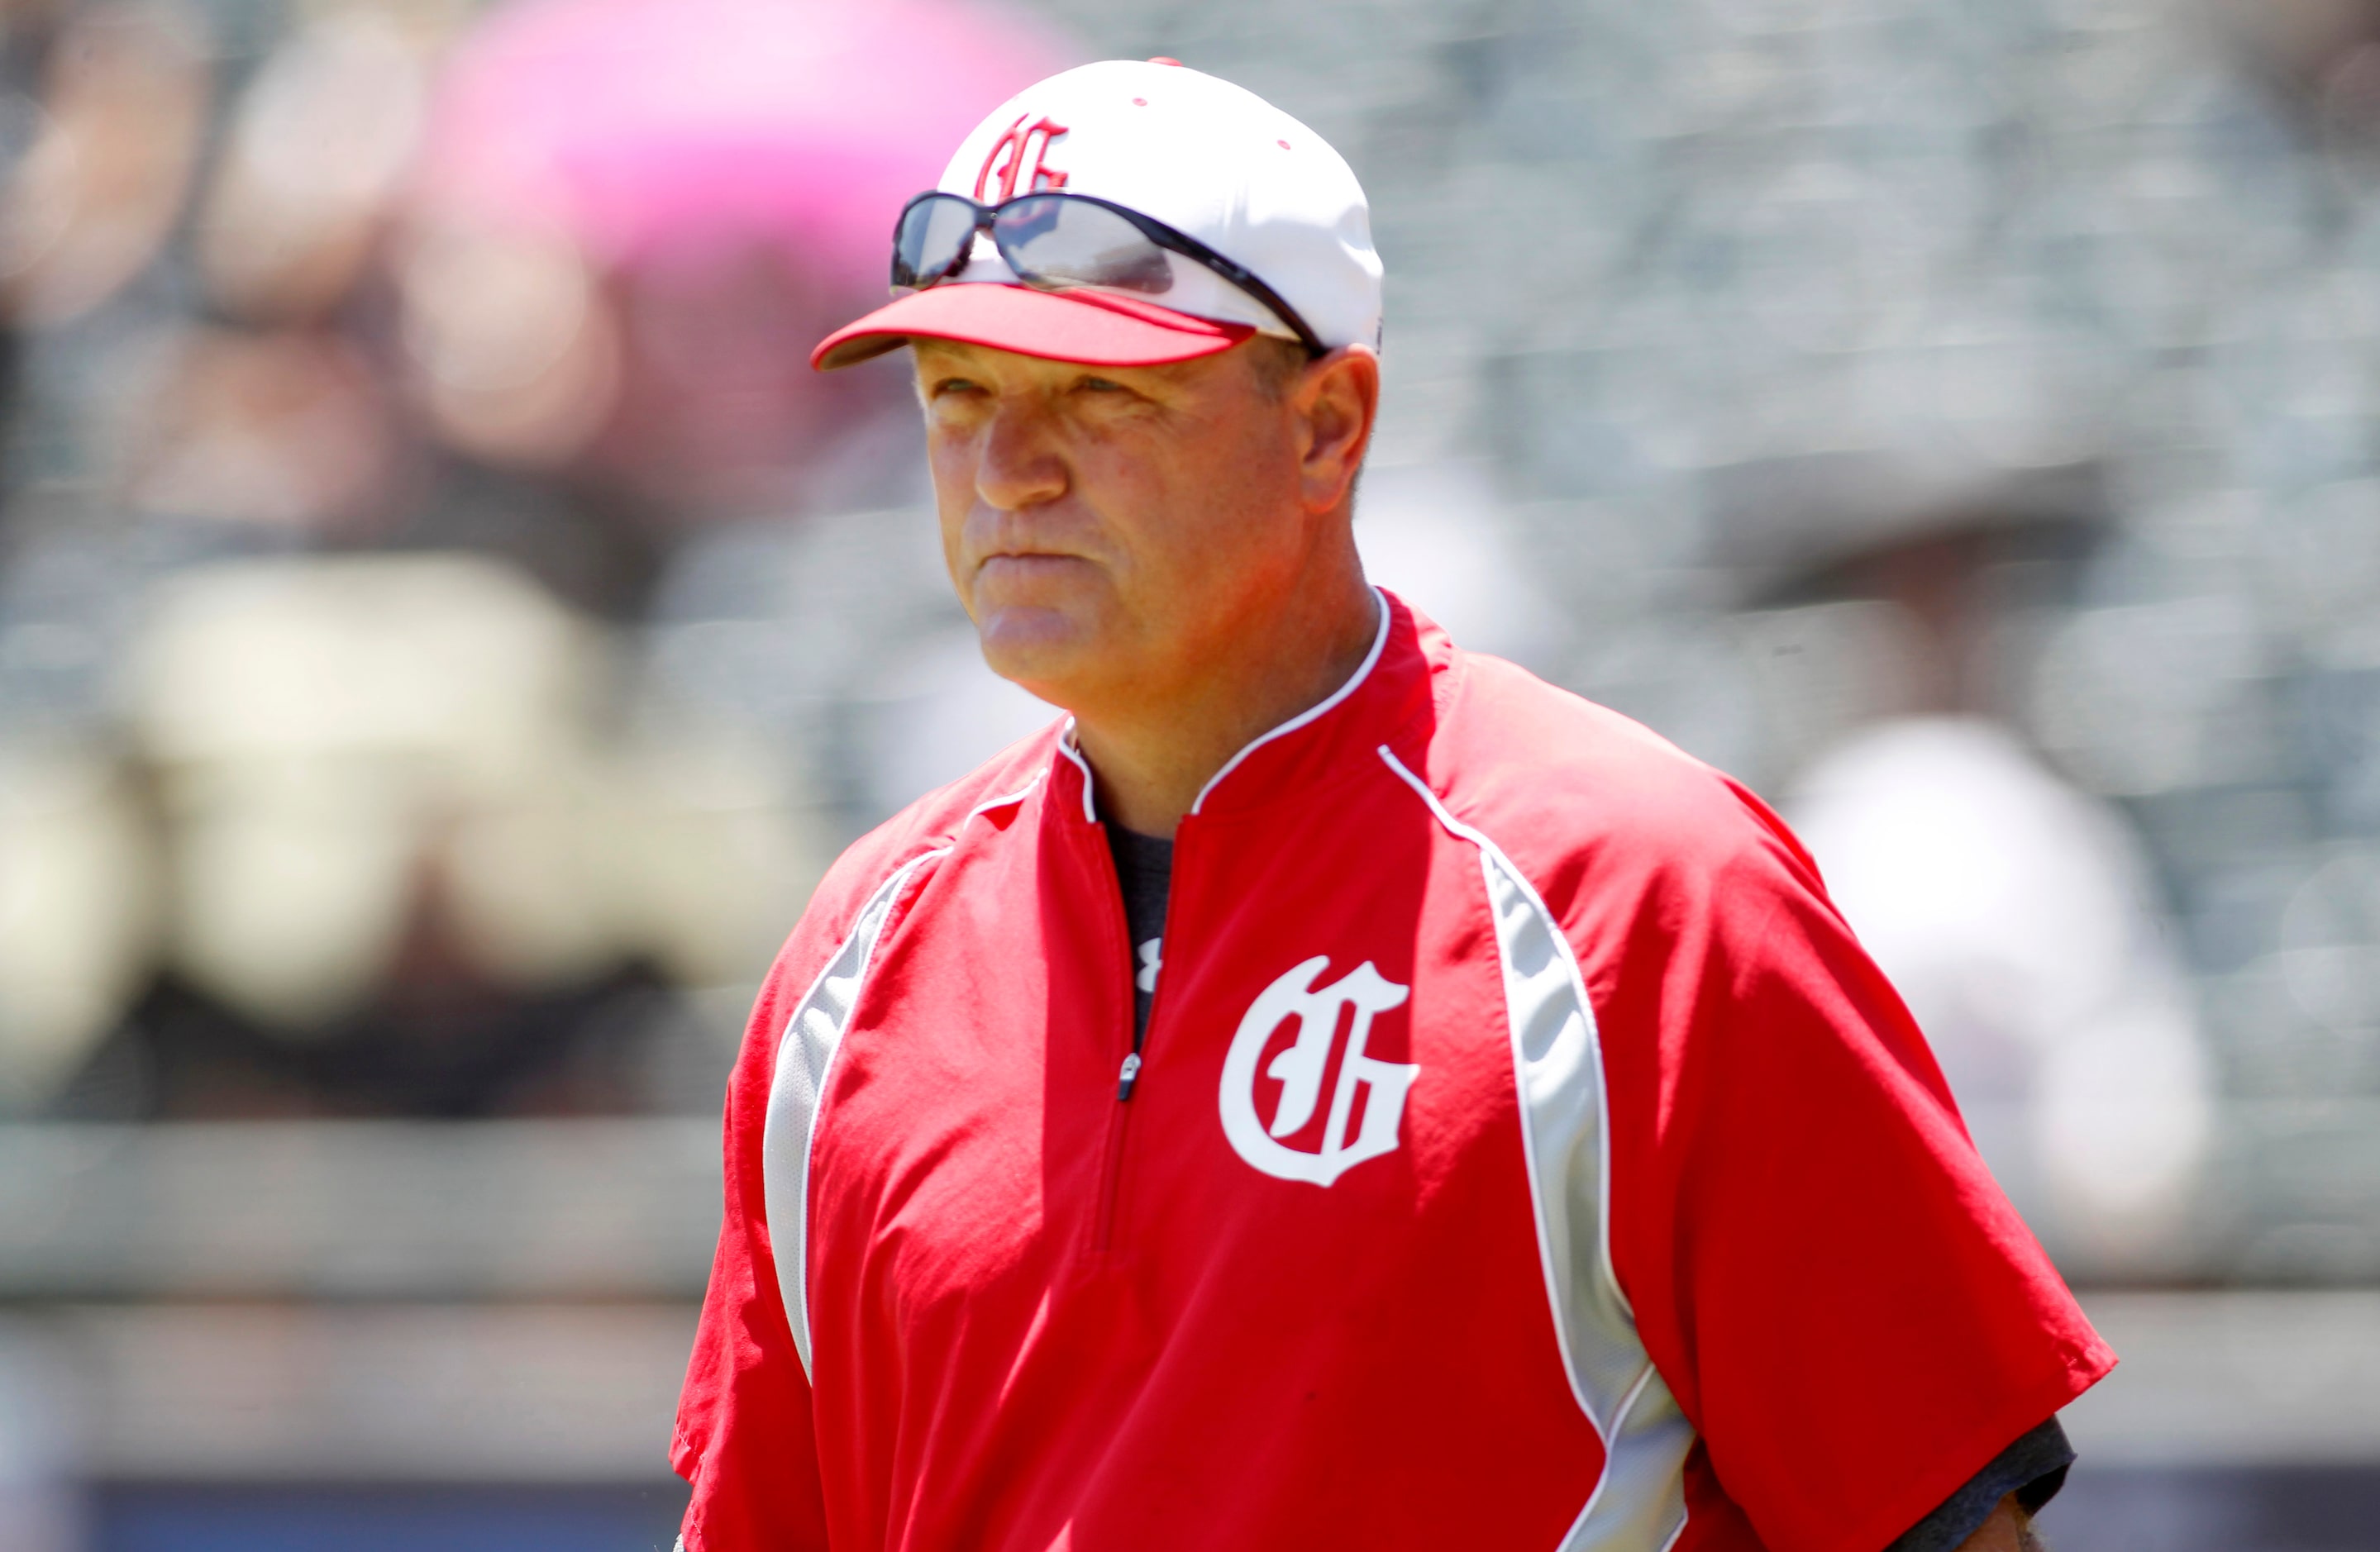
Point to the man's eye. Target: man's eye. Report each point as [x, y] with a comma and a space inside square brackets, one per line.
[1099, 385]
[953, 385]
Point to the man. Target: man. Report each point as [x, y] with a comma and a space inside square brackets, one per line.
[1331, 1090]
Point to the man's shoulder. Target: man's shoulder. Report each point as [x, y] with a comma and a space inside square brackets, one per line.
[932, 824]
[1558, 781]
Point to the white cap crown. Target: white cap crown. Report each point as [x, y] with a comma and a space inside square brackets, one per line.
[1212, 160]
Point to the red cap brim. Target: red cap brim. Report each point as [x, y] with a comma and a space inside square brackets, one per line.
[1091, 327]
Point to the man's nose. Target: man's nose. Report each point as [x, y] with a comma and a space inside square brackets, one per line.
[1019, 465]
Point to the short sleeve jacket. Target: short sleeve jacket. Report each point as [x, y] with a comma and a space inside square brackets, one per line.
[1522, 1154]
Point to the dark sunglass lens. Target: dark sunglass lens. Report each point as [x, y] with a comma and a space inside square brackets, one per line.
[932, 240]
[1051, 240]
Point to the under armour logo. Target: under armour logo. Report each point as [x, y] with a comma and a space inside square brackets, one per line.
[1016, 157]
[1151, 960]
[1300, 1067]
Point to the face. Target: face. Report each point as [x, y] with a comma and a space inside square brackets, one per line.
[1113, 530]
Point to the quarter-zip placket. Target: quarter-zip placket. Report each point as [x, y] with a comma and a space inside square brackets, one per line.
[1128, 1074]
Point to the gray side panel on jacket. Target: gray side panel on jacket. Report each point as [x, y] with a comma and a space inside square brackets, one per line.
[1639, 1504]
[805, 1054]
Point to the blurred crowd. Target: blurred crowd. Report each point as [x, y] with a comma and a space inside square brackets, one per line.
[393, 390]
[444, 627]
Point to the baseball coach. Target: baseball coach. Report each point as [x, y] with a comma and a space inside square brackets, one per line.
[1330, 1089]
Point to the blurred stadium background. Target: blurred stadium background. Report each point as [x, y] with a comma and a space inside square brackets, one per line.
[444, 630]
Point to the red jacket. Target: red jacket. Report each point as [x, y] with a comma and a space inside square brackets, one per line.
[1525, 1156]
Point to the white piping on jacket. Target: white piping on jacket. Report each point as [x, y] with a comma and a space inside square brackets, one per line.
[1322, 707]
[1004, 799]
[1319, 708]
[1638, 1504]
[797, 1090]
[804, 1061]
[1066, 747]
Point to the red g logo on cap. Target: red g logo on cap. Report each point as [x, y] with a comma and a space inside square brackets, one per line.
[1024, 145]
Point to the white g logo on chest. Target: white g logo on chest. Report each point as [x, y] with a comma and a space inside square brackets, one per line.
[1300, 1069]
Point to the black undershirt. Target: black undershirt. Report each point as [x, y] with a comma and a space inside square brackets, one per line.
[2033, 1468]
[1144, 867]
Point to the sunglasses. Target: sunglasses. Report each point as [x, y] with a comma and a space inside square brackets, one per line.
[1057, 242]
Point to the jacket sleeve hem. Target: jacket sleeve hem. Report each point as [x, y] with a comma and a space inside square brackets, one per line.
[2027, 1409]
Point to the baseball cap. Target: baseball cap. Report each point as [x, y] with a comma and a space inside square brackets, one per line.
[1212, 160]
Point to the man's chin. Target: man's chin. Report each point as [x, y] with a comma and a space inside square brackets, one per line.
[1044, 651]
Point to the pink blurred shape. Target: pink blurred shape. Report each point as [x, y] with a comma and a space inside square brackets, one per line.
[638, 125]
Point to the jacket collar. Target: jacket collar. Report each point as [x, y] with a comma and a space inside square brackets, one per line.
[1388, 688]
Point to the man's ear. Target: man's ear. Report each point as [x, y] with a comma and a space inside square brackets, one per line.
[1336, 400]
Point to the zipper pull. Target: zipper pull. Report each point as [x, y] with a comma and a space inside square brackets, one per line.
[1130, 1076]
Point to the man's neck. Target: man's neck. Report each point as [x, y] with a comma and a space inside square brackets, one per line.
[1151, 764]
